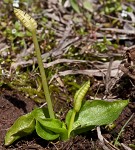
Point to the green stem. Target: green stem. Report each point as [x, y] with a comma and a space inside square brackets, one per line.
[122, 129]
[43, 76]
[71, 122]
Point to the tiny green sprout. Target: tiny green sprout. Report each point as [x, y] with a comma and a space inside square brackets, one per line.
[31, 25]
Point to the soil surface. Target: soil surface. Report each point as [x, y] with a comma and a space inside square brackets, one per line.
[14, 104]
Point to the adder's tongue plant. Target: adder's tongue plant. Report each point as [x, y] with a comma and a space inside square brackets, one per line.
[84, 116]
[31, 25]
[77, 104]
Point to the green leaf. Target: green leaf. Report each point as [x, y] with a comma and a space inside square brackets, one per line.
[51, 129]
[23, 126]
[68, 117]
[88, 5]
[17, 25]
[40, 113]
[96, 113]
[75, 5]
[45, 133]
[20, 34]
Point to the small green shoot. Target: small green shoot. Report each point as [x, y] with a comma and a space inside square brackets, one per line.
[122, 129]
[79, 96]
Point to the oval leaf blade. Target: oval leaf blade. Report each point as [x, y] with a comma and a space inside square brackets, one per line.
[51, 129]
[23, 126]
[98, 112]
[45, 133]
